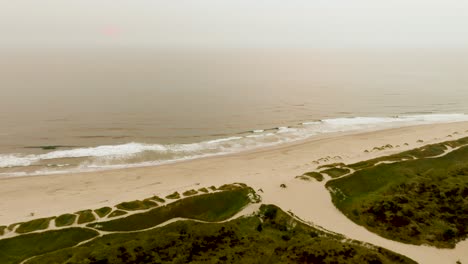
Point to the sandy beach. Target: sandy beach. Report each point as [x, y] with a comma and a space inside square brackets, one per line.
[26, 198]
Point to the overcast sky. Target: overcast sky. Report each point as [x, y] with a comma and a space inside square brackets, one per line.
[236, 23]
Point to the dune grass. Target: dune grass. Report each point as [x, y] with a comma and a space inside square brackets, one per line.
[2, 230]
[336, 172]
[331, 165]
[173, 196]
[422, 201]
[203, 190]
[16, 249]
[189, 193]
[418, 153]
[158, 199]
[315, 175]
[85, 216]
[208, 207]
[102, 212]
[117, 213]
[65, 220]
[136, 205]
[270, 237]
[34, 225]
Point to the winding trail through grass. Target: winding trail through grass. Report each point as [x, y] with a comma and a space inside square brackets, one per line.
[248, 210]
[320, 210]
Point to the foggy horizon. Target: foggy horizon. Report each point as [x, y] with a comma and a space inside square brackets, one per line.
[209, 24]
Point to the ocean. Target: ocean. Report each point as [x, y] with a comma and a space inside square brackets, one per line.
[84, 110]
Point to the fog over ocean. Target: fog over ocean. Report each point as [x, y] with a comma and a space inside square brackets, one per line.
[120, 109]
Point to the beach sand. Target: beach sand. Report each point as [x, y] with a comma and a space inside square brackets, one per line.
[26, 198]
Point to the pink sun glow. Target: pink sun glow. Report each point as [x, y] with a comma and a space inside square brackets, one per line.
[111, 31]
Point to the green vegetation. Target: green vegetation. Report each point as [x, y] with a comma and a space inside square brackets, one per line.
[418, 153]
[102, 212]
[17, 249]
[85, 216]
[158, 199]
[336, 172]
[270, 237]
[117, 213]
[2, 230]
[203, 190]
[173, 196]
[189, 193]
[65, 220]
[337, 164]
[308, 175]
[417, 201]
[136, 205]
[229, 187]
[212, 188]
[207, 207]
[388, 146]
[13, 226]
[34, 225]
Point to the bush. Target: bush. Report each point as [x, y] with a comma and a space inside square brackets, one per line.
[102, 212]
[34, 225]
[65, 220]
[85, 216]
[173, 196]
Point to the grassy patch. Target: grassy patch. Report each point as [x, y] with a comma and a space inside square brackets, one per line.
[203, 190]
[332, 165]
[423, 201]
[117, 213]
[17, 249]
[65, 220]
[85, 216]
[2, 230]
[13, 226]
[136, 205]
[173, 196]
[422, 152]
[34, 225]
[316, 175]
[158, 199]
[336, 172]
[229, 187]
[189, 193]
[271, 237]
[102, 212]
[208, 207]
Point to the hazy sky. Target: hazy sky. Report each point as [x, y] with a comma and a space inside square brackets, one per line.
[236, 23]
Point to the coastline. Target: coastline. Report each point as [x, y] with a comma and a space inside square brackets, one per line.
[265, 169]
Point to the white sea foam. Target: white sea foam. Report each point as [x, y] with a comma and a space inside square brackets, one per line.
[139, 154]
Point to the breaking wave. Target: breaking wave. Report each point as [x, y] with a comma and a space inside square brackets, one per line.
[140, 154]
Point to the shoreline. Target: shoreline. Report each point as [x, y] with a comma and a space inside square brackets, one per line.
[75, 158]
[266, 169]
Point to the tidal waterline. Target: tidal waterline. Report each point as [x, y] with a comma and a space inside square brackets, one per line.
[193, 101]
